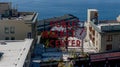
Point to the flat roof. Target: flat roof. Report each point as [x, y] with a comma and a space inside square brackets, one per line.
[9, 13]
[106, 26]
[15, 52]
[108, 23]
[66, 17]
[28, 16]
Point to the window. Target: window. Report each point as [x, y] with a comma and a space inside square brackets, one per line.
[90, 28]
[12, 38]
[6, 30]
[109, 47]
[109, 38]
[93, 32]
[6, 38]
[93, 40]
[29, 35]
[12, 30]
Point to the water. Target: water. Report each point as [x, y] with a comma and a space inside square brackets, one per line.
[108, 9]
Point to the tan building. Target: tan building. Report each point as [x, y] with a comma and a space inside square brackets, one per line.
[103, 35]
[4, 7]
[16, 25]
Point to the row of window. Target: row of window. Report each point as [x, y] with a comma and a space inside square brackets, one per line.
[9, 30]
[9, 38]
[109, 38]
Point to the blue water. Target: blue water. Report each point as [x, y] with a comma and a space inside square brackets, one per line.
[108, 9]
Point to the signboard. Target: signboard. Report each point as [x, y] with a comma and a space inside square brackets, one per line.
[104, 56]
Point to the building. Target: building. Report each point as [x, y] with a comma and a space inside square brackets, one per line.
[4, 7]
[15, 53]
[17, 36]
[104, 35]
[15, 25]
[45, 24]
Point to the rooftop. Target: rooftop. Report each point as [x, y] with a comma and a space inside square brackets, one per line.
[108, 23]
[103, 26]
[59, 18]
[27, 16]
[46, 22]
[107, 26]
[14, 52]
[9, 13]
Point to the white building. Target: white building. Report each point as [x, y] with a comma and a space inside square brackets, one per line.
[16, 53]
[103, 35]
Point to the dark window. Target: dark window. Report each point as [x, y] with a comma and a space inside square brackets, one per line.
[90, 28]
[6, 38]
[93, 32]
[12, 38]
[109, 47]
[6, 30]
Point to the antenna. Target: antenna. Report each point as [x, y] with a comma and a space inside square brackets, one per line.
[16, 6]
[10, 4]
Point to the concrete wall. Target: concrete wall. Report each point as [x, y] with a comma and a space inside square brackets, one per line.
[115, 41]
[21, 29]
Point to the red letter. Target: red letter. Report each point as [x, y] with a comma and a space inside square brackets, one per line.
[51, 23]
[57, 43]
[50, 44]
[78, 43]
[61, 44]
[45, 34]
[63, 24]
[61, 33]
[73, 33]
[73, 43]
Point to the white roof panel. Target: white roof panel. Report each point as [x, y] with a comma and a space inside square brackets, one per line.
[15, 52]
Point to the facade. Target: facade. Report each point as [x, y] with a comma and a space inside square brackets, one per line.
[15, 53]
[103, 35]
[16, 25]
